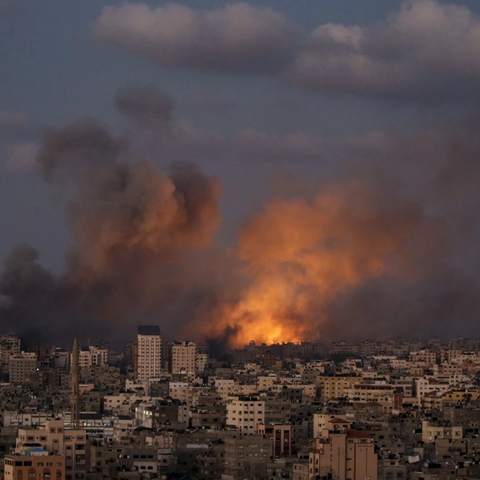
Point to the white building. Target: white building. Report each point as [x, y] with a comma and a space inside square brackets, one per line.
[92, 356]
[246, 413]
[148, 352]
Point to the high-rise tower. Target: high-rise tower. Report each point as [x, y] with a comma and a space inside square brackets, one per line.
[148, 352]
[74, 398]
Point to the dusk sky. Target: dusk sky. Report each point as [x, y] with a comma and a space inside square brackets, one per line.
[274, 98]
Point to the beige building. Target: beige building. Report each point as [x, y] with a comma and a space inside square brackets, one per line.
[148, 352]
[381, 393]
[423, 356]
[37, 465]
[22, 367]
[183, 358]
[246, 413]
[335, 386]
[431, 433]
[331, 423]
[344, 456]
[55, 439]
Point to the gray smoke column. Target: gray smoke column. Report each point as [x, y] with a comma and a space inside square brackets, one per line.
[132, 225]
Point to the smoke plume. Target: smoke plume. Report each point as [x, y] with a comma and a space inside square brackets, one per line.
[132, 228]
[390, 248]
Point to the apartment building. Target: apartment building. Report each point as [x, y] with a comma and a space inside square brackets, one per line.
[55, 439]
[183, 358]
[331, 387]
[36, 464]
[22, 367]
[344, 456]
[246, 413]
[9, 345]
[148, 352]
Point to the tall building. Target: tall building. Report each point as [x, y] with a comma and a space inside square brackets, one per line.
[9, 346]
[246, 414]
[183, 358]
[22, 367]
[148, 352]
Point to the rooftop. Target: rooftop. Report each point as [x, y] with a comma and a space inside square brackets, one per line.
[148, 330]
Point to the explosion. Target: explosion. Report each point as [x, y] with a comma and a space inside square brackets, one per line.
[301, 255]
[357, 258]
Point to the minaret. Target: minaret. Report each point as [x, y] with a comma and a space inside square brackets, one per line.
[74, 398]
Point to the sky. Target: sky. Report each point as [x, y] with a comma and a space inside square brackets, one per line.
[272, 98]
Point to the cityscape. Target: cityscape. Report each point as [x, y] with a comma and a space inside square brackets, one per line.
[383, 410]
[239, 240]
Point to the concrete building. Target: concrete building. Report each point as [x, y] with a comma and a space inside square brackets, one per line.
[22, 367]
[331, 387]
[9, 345]
[281, 437]
[183, 358]
[432, 432]
[246, 413]
[246, 456]
[331, 423]
[55, 439]
[344, 456]
[92, 356]
[148, 352]
[201, 361]
[36, 464]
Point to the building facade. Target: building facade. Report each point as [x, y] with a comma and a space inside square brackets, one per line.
[148, 352]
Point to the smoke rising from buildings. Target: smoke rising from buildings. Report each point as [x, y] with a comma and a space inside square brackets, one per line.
[362, 256]
[132, 226]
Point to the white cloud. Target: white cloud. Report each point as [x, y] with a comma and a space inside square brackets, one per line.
[234, 38]
[426, 50]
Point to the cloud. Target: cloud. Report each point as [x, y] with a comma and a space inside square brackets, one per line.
[425, 51]
[234, 38]
[20, 158]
